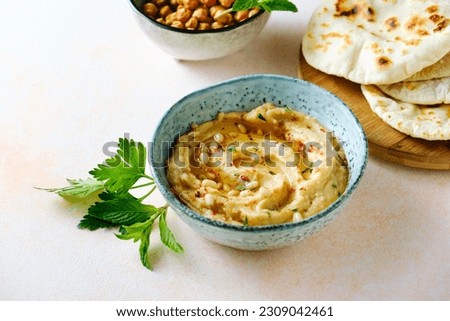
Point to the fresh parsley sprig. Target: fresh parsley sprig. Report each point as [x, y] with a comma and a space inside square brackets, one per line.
[123, 170]
[78, 188]
[117, 207]
[267, 5]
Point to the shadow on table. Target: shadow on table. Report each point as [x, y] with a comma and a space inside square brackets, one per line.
[382, 247]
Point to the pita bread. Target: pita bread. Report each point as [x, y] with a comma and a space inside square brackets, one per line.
[377, 42]
[428, 92]
[430, 123]
[440, 69]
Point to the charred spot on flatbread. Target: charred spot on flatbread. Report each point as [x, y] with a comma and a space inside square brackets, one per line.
[436, 18]
[383, 62]
[415, 21]
[358, 9]
[392, 23]
[432, 9]
[441, 25]
[422, 32]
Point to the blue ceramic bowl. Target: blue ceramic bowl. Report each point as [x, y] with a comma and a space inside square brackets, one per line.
[243, 94]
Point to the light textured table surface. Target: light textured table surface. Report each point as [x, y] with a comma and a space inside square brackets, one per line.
[76, 75]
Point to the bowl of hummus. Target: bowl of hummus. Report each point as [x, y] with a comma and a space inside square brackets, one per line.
[260, 161]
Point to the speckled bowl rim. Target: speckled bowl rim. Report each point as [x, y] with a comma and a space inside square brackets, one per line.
[186, 31]
[175, 202]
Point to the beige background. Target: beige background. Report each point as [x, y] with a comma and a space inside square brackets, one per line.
[76, 75]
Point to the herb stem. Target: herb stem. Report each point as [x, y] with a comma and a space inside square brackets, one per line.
[222, 13]
[146, 195]
[142, 185]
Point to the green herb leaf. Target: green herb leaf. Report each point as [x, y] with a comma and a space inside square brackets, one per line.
[261, 117]
[117, 207]
[166, 235]
[140, 232]
[120, 209]
[245, 221]
[123, 170]
[77, 188]
[278, 5]
[93, 223]
[245, 4]
[240, 187]
[267, 5]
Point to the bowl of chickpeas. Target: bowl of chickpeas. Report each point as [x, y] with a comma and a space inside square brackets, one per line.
[198, 29]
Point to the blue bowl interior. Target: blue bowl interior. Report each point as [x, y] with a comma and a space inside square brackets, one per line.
[243, 94]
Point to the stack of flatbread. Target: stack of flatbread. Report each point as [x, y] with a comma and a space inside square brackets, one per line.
[398, 50]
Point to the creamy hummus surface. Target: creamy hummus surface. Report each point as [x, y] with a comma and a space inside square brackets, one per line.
[271, 165]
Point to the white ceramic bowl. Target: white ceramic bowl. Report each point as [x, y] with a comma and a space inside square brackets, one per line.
[200, 45]
[244, 94]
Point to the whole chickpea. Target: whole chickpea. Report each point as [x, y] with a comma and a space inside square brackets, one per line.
[204, 26]
[213, 10]
[170, 18]
[177, 24]
[209, 3]
[201, 14]
[191, 23]
[226, 3]
[241, 15]
[150, 9]
[165, 11]
[224, 18]
[160, 3]
[253, 12]
[217, 25]
[173, 3]
[183, 14]
[191, 4]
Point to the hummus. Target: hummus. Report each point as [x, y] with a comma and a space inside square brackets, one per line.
[271, 165]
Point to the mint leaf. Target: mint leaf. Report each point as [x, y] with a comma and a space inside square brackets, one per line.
[166, 234]
[120, 209]
[140, 232]
[93, 223]
[77, 188]
[245, 4]
[123, 170]
[278, 5]
[267, 5]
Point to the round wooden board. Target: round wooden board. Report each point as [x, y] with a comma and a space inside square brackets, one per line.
[384, 141]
